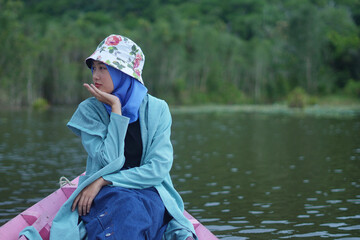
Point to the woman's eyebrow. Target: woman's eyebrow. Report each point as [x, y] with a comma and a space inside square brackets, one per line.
[99, 64]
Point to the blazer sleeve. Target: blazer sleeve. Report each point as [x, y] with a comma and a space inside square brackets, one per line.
[156, 164]
[102, 136]
[111, 147]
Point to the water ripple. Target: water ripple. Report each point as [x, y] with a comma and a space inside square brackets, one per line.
[268, 178]
[355, 227]
[333, 225]
[349, 217]
[258, 230]
[275, 222]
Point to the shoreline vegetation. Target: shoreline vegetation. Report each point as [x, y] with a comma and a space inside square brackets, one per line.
[331, 106]
[197, 52]
[341, 111]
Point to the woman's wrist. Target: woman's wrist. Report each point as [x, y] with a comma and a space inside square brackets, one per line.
[116, 107]
[103, 182]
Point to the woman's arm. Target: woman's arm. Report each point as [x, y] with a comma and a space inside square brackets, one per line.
[85, 198]
[106, 150]
[104, 97]
[102, 150]
[158, 160]
[112, 146]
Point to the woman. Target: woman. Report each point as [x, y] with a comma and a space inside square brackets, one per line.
[127, 191]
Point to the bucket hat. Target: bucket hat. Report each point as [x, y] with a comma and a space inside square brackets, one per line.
[121, 53]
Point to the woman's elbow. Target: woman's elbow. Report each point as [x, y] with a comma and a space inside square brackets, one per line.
[163, 171]
[102, 158]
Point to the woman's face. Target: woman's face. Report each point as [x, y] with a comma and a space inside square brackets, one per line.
[101, 77]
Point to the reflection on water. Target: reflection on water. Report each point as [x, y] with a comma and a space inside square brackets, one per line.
[243, 175]
[35, 151]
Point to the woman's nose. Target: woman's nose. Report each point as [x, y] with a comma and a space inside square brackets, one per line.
[95, 75]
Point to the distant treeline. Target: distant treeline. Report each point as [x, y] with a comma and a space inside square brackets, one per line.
[232, 51]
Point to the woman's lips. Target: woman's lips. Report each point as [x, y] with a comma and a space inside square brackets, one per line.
[97, 85]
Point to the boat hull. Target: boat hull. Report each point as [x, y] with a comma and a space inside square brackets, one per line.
[41, 215]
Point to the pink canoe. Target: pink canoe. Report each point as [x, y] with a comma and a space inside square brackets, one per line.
[42, 214]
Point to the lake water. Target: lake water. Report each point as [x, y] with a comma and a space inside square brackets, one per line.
[244, 175]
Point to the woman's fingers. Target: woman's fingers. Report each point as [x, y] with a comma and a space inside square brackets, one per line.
[83, 204]
[80, 205]
[96, 89]
[87, 86]
[84, 201]
[88, 205]
[84, 207]
[100, 95]
[92, 89]
[103, 96]
[75, 202]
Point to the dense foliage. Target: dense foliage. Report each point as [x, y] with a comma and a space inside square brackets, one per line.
[196, 51]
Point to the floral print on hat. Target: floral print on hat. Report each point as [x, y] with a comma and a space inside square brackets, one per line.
[121, 53]
[113, 40]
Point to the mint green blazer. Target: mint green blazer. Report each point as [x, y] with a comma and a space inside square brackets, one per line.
[103, 139]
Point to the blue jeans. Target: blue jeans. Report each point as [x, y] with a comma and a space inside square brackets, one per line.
[121, 213]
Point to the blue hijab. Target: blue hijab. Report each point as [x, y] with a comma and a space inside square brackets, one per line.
[130, 92]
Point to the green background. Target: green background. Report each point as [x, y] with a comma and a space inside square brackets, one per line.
[210, 51]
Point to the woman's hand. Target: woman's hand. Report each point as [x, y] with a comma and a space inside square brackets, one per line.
[87, 195]
[104, 97]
